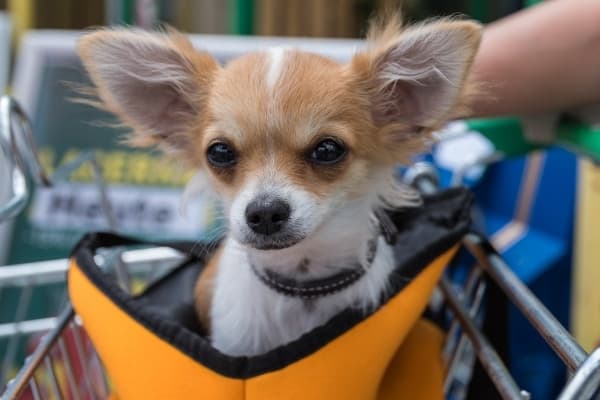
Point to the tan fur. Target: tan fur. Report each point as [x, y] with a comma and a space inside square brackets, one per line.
[291, 119]
[204, 289]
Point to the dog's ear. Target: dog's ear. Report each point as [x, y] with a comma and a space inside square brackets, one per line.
[156, 83]
[414, 78]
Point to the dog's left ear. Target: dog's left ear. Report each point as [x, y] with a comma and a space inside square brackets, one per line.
[414, 79]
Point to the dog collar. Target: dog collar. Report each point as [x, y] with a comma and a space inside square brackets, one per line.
[316, 288]
[309, 289]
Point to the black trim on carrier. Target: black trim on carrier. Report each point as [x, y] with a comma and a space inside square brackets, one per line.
[424, 233]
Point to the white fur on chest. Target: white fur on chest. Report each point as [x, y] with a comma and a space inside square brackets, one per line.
[249, 318]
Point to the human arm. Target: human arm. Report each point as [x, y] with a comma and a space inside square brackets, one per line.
[545, 58]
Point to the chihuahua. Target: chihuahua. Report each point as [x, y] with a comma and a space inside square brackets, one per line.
[300, 150]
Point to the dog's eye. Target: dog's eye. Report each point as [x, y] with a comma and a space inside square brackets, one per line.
[327, 152]
[221, 155]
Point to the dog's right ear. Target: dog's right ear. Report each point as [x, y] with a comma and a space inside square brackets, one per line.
[156, 83]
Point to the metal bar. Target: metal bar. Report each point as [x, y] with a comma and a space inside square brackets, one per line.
[561, 341]
[463, 341]
[19, 383]
[94, 358]
[110, 260]
[82, 359]
[121, 272]
[105, 384]
[490, 360]
[111, 219]
[27, 327]
[152, 254]
[64, 301]
[20, 195]
[21, 152]
[11, 352]
[35, 389]
[65, 171]
[53, 380]
[18, 188]
[46, 272]
[469, 286]
[74, 390]
[423, 177]
[37, 273]
[586, 381]
[27, 144]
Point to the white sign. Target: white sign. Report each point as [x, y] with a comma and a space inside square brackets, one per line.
[138, 210]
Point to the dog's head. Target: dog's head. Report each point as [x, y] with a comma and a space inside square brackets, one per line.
[292, 142]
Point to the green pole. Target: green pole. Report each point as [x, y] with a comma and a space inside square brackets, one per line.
[241, 16]
[127, 7]
[479, 10]
[529, 3]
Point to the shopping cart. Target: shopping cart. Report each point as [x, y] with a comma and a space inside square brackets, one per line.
[64, 363]
[19, 151]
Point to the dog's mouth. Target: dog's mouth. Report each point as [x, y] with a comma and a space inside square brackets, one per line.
[272, 242]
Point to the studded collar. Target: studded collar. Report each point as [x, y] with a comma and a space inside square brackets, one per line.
[322, 287]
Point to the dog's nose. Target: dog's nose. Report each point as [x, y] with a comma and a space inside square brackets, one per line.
[267, 216]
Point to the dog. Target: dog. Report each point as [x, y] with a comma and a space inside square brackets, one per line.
[302, 153]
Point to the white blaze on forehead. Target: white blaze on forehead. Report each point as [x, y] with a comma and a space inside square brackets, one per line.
[276, 62]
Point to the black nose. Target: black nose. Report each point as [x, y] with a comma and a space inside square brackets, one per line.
[267, 216]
